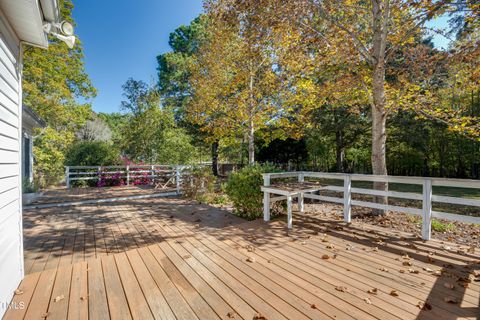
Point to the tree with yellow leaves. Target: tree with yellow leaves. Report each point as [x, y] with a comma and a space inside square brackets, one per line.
[233, 79]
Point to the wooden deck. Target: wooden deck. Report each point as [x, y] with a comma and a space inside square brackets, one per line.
[169, 259]
[60, 236]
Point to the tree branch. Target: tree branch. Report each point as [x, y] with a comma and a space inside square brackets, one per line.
[356, 41]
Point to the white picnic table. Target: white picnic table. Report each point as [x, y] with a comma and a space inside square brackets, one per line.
[287, 191]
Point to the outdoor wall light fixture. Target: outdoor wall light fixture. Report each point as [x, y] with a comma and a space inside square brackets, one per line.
[65, 32]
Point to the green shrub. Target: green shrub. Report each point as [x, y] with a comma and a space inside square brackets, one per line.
[28, 187]
[243, 189]
[199, 182]
[92, 153]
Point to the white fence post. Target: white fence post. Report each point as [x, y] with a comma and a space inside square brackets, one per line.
[347, 198]
[266, 198]
[128, 175]
[177, 179]
[301, 200]
[427, 210]
[67, 176]
[152, 174]
[289, 212]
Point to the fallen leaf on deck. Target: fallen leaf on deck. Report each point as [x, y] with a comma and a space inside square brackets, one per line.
[231, 315]
[250, 248]
[406, 263]
[401, 271]
[394, 293]
[330, 246]
[259, 316]
[269, 260]
[59, 298]
[373, 291]
[325, 257]
[437, 273]
[251, 259]
[427, 269]
[384, 269]
[341, 289]
[186, 256]
[304, 242]
[449, 285]
[18, 292]
[413, 271]
[313, 306]
[424, 305]
[367, 301]
[375, 249]
[450, 300]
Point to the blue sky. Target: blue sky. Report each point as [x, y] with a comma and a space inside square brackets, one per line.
[121, 39]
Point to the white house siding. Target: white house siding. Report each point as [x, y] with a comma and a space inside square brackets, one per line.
[11, 246]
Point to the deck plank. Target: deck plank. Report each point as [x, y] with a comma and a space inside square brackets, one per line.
[61, 294]
[38, 305]
[78, 302]
[136, 300]
[117, 301]
[175, 300]
[153, 295]
[97, 295]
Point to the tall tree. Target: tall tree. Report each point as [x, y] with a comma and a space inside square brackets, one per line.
[54, 81]
[151, 134]
[234, 78]
[174, 72]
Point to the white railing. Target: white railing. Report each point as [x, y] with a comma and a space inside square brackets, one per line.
[426, 196]
[171, 174]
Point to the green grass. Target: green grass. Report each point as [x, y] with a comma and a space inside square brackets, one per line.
[442, 227]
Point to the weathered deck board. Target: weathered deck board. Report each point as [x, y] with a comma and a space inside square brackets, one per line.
[170, 259]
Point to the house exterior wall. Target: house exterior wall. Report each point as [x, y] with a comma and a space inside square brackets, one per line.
[11, 245]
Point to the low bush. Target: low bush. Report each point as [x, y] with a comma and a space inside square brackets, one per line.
[243, 189]
[198, 182]
[92, 153]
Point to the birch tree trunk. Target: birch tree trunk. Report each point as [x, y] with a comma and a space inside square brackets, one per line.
[251, 142]
[380, 10]
[251, 129]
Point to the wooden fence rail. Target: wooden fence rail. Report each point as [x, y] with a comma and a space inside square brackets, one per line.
[426, 196]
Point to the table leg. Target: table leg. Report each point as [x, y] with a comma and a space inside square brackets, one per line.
[301, 205]
[289, 211]
[266, 206]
